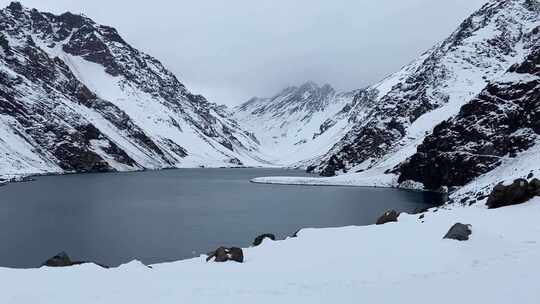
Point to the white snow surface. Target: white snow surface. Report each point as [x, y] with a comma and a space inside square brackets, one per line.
[404, 262]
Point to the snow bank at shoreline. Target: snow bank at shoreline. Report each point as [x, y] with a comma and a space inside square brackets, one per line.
[364, 179]
[400, 262]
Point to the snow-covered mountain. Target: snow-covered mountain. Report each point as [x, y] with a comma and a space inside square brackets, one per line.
[412, 102]
[74, 96]
[499, 127]
[379, 127]
[297, 124]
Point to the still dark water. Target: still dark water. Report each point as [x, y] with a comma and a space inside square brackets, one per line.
[159, 216]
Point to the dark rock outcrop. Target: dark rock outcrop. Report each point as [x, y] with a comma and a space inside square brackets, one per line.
[224, 254]
[258, 240]
[387, 217]
[459, 232]
[518, 192]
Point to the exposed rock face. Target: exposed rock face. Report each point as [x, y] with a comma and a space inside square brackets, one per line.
[431, 89]
[518, 192]
[223, 254]
[75, 96]
[258, 240]
[501, 122]
[459, 232]
[387, 217]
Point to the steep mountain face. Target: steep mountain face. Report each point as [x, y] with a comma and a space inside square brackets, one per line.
[409, 104]
[498, 125]
[297, 124]
[74, 96]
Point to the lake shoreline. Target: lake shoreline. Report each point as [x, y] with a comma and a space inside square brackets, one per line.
[6, 179]
[114, 218]
[351, 269]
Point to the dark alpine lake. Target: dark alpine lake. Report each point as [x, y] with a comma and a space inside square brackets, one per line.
[158, 216]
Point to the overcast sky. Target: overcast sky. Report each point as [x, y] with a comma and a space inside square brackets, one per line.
[232, 50]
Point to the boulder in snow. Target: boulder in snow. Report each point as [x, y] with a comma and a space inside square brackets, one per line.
[258, 240]
[223, 254]
[60, 260]
[459, 232]
[388, 216]
[518, 192]
[63, 260]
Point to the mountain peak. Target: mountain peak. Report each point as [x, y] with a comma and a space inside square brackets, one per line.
[315, 86]
[74, 20]
[15, 6]
[309, 83]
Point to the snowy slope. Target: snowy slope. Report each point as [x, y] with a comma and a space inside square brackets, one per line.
[74, 96]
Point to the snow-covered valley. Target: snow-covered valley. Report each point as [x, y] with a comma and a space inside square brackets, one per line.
[462, 118]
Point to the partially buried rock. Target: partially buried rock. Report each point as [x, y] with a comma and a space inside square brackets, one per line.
[296, 233]
[518, 192]
[63, 260]
[459, 232]
[387, 217]
[223, 254]
[258, 240]
[60, 260]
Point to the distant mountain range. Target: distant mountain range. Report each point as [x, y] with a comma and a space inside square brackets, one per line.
[74, 96]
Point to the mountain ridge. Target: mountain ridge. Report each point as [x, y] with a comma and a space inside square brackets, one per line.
[297, 123]
[77, 97]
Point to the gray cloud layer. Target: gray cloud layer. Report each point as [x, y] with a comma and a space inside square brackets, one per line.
[232, 50]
